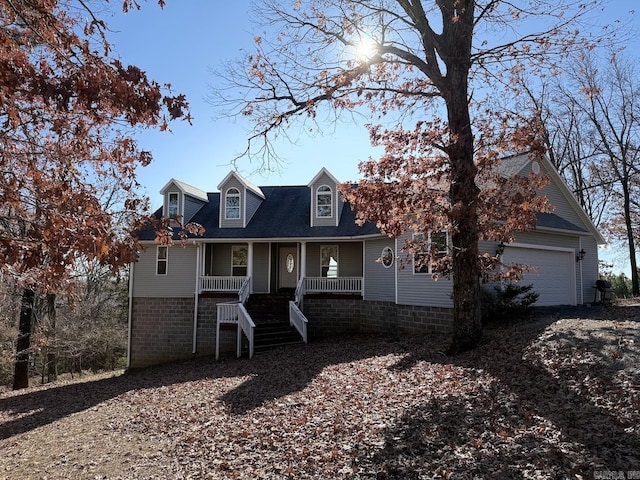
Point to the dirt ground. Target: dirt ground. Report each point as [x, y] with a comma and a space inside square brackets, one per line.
[557, 397]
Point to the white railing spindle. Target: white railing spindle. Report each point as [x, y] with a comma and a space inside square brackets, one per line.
[221, 284]
[333, 285]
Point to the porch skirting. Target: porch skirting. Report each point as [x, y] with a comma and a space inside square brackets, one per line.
[329, 315]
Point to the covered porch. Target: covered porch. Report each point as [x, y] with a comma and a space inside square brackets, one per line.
[269, 267]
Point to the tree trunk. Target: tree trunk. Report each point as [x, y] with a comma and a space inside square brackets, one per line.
[23, 345]
[635, 284]
[463, 193]
[52, 360]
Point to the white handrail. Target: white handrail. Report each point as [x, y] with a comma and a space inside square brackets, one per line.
[298, 320]
[299, 295]
[244, 291]
[246, 325]
[333, 285]
[221, 283]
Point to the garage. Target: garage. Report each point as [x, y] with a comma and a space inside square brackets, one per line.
[553, 277]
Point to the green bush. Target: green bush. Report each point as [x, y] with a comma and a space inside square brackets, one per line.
[507, 304]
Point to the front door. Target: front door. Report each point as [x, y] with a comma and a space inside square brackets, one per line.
[288, 267]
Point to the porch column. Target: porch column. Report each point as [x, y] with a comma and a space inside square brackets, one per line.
[303, 259]
[250, 265]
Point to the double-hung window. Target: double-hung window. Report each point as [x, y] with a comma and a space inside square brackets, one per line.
[162, 260]
[429, 249]
[324, 201]
[329, 261]
[239, 256]
[173, 202]
[232, 204]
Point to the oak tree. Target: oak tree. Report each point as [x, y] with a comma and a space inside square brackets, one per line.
[67, 112]
[423, 73]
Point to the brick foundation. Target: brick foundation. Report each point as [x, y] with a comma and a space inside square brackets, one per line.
[162, 330]
[329, 315]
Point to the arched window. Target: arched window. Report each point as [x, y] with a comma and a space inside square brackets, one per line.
[232, 204]
[324, 201]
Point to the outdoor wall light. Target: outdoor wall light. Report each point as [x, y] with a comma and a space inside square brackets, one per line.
[580, 255]
[500, 249]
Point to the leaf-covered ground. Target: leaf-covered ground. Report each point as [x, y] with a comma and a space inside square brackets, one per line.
[557, 398]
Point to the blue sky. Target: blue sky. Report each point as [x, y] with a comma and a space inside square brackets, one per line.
[181, 44]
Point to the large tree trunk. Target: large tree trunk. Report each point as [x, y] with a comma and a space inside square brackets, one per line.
[52, 360]
[23, 345]
[463, 192]
[635, 284]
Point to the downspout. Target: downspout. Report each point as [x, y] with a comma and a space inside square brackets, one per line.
[197, 291]
[130, 314]
[581, 279]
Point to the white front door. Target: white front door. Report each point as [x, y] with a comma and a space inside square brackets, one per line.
[288, 267]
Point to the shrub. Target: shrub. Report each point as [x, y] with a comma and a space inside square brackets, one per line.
[506, 304]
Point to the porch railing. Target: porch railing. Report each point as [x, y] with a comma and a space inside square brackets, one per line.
[246, 326]
[227, 313]
[244, 291]
[298, 320]
[222, 284]
[333, 285]
[299, 294]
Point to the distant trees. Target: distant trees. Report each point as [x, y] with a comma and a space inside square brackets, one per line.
[66, 151]
[592, 120]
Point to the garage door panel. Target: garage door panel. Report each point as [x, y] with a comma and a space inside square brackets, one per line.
[552, 276]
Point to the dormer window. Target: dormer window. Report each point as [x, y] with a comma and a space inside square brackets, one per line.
[232, 204]
[324, 197]
[172, 211]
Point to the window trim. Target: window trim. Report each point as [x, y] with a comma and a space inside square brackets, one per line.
[337, 247]
[382, 257]
[329, 193]
[228, 195]
[177, 195]
[164, 260]
[439, 253]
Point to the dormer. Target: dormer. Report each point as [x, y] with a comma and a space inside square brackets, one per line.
[326, 203]
[239, 200]
[182, 201]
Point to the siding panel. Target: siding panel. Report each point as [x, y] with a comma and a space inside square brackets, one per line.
[191, 207]
[261, 267]
[179, 281]
[253, 203]
[380, 281]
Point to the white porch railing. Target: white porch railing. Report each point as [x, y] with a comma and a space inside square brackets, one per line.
[299, 295]
[226, 313]
[333, 285]
[246, 326]
[222, 284]
[298, 320]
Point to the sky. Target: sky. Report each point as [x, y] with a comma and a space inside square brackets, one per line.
[182, 44]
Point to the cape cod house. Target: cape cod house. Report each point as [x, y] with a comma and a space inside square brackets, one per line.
[336, 276]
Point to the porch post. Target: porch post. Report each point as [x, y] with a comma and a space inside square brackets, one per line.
[250, 265]
[303, 260]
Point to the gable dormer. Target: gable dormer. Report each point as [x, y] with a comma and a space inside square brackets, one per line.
[239, 200]
[182, 201]
[326, 203]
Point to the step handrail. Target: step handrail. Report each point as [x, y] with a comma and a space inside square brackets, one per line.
[298, 320]
[246, 326]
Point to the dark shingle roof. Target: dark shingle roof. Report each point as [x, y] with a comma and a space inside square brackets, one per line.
[284, 213]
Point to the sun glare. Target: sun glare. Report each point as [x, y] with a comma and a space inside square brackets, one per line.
[366, 49]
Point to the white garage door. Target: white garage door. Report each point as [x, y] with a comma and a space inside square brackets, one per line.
[553, 278]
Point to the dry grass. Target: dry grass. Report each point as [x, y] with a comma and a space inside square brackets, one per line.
[558, 398]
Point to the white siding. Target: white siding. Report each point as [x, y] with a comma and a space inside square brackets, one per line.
[421, 289]
[179, 280]
[379, 281]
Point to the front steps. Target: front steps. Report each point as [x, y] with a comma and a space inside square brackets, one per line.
[270, 313]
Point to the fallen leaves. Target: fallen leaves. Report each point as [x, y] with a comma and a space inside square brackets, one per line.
[545, 401]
